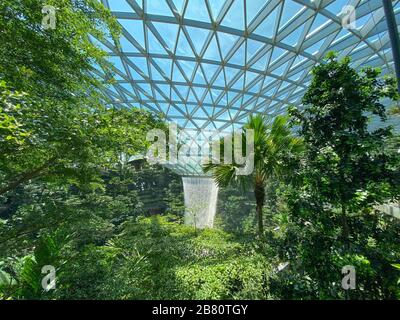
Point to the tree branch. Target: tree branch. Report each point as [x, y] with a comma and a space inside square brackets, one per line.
[26, 177]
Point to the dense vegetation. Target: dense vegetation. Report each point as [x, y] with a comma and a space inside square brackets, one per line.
[71, 197]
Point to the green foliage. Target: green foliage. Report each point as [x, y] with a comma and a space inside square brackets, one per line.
[235, 211]
[71, 146]
[174, 198]
[175, 252]
[346, 169]
[311, 241]
[70, 197]
[23, 279]
[53, 64]
[274, 149]
[151, 258]
[347, 163]
[53, 120]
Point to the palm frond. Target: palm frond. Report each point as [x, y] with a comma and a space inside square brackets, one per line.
[273, 145]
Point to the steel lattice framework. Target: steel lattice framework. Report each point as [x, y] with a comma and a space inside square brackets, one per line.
[207, 64]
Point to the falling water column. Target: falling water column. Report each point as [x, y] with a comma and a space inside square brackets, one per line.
[201, 195]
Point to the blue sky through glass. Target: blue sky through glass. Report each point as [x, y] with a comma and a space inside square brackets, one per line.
[209, 63]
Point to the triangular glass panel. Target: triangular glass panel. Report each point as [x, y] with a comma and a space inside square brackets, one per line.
[239, 83]
[158, 7]
[261, 63]
[198, 37]
[284, 85]
[215, 94]
[146, 87]
[168, 32]
[276, 53]
[256, 87]
[209, 70]
[208, 99]
[293, 38]
[135, 75]
[280, 70]
[164, 107]
[315, 47]
[267, 27]
[216, 7]
[199, 77]
[135, 28]
[165, 65]
[183, 90]
[141, 64]
[226, 42]
[127, 46]
[250, 76]
[212, 52]
[191, 97]
[174, 95]
[118, 77]
[233, 113]
[319, 21]
[177, 75]
[296, 76]
[231, 96]
[344, 33]
[197, 10]
[179, 5]
[183, 47]
[165, 89]
[268, 81]
[209, 111]
[200, 113]
[157, 95]
[173, 111]
[188, 67]
[118, 5]
[127, 86]
[235, 16]
[220, 80]
[336, 7]
[155, 75]
[361, 21]
[253, 7]
[253, 47]
[247, 98]
[290, 10]
[224, 116]
[117, 62]
[142, 96]
[223, 100]
[239, 56]
[154, 45]
[230, 73]
[199, 92]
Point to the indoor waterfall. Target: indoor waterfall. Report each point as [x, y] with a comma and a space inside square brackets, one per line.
[201, 194]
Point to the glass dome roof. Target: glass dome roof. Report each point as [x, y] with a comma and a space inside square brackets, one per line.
[207, 64]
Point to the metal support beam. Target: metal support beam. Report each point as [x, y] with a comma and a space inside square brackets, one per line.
[394, 37]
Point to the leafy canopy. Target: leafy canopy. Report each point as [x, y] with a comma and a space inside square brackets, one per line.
[347, 160]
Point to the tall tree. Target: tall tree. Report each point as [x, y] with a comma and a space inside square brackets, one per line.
[347, 162]
[54, 119]
[274, 145]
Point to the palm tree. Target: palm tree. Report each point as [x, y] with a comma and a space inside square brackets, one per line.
[273, 146]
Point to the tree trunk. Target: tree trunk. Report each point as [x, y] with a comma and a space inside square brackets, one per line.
[259, 192]
[345, 226]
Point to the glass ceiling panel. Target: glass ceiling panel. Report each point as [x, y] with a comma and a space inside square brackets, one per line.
[207, 64]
